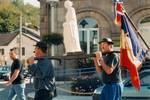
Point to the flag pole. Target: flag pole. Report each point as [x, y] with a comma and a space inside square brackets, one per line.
[136, 30]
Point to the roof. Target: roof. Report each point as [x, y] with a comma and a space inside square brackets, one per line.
[30, 31]
[6, 38]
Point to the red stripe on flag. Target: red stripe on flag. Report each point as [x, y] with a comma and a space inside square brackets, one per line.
[119, 13]
[126, 62]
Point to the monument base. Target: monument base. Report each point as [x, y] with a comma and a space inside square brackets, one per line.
[74, 53]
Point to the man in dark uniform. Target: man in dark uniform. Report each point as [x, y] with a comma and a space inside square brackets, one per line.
[16, 79]
[43, 73]
[107, 62]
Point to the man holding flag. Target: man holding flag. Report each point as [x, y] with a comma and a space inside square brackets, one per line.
[108, 64]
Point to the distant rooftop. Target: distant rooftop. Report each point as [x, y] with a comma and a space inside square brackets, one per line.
[6, 38]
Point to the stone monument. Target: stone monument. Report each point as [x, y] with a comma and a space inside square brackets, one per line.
[70, 30]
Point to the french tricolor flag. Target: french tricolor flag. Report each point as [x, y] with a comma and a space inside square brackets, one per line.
[131, 52]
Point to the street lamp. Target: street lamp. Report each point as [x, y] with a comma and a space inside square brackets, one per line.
[20, 38]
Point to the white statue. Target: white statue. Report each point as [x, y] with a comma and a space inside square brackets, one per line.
[71, 33]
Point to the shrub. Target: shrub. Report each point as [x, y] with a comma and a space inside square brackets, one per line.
[85, 84]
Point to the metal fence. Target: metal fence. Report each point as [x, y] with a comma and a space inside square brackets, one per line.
[69, 74]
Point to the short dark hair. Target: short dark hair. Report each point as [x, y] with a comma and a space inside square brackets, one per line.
[14, 49]
[42, 45]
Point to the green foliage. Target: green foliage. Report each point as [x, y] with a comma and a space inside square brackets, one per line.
[10, 15]
[85, 84]
[54, 39]
[31, 16]
[8, 19]
[17, 3]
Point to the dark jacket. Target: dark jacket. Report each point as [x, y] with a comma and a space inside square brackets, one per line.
[43, 74]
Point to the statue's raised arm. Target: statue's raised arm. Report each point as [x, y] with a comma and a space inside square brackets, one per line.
[70, 32]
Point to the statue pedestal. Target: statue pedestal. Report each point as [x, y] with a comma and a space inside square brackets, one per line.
[74, 53]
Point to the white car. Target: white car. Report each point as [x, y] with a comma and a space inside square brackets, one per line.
[129, 92]
[5, 72]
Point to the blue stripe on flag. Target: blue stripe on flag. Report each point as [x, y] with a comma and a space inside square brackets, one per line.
[138, 51]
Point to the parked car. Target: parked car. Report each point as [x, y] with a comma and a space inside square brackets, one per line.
[129, 92]
[6, 76]
[5, 72]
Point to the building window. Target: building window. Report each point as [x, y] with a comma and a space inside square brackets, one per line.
[144, 27]
[89, 35]
[2, 51]
[23, 51]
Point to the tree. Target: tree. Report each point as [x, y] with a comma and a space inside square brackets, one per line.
[31, 16]
[4, 3]
[18, 3]
[8, 18]
[10, 15]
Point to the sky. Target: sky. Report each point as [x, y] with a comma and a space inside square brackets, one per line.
[33, 2]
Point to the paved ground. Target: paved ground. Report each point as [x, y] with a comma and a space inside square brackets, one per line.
[29, 92]
[65, 97]
[63, 91]
[73, 98]
[4, 90]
